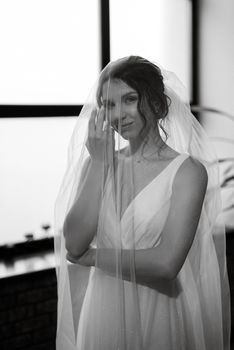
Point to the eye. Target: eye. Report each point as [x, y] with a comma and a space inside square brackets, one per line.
[131, 99]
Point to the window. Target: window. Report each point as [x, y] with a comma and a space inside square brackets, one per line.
[51, 56]
[159, 30]
[33, 155]
[49, 51]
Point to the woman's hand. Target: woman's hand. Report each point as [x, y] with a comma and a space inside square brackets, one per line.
[87, 259]
[100, 143]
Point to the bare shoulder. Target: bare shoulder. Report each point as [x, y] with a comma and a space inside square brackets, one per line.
[191, 174]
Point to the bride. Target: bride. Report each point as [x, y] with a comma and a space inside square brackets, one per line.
[140, 250]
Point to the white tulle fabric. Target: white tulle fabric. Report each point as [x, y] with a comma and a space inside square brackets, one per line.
[97, 311]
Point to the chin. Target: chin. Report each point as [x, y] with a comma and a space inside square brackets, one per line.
[127, 135]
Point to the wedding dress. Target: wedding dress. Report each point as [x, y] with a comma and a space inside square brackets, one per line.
[99, 311]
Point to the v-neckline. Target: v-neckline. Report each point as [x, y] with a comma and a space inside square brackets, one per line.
[146, 186]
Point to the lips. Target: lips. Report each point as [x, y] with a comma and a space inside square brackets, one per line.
[122, 126]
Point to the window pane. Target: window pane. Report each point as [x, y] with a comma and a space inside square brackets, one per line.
[33, 154]
[155, 29]
[49, 50]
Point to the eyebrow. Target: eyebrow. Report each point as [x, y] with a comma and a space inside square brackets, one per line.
[123, 96]
[129, 93]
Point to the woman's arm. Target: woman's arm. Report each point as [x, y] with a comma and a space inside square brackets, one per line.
[163, 262]
[81, 222]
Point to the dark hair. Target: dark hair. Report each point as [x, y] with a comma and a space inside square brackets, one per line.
[144, 77]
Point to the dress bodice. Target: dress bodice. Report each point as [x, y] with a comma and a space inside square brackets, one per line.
[145, 215]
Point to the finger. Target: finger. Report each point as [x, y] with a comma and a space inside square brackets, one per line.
[91, 130]
[100, 121]
[111, 140]
[105, 125]
[110, 130]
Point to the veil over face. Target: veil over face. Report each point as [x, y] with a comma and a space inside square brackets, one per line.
[135, 109]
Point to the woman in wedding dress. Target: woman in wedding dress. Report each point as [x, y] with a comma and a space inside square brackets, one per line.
[140, 250]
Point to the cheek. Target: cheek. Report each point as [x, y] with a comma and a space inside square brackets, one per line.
[133, 112]
[111, 116]
[140, 120]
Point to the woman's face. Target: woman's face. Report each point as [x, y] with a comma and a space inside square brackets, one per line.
[121, 105]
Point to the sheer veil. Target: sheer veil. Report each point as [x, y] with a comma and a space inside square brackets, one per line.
[96, 308]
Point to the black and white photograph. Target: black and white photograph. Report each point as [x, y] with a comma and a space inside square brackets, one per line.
[117, 175]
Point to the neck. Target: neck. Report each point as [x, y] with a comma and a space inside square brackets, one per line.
[146, 144]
